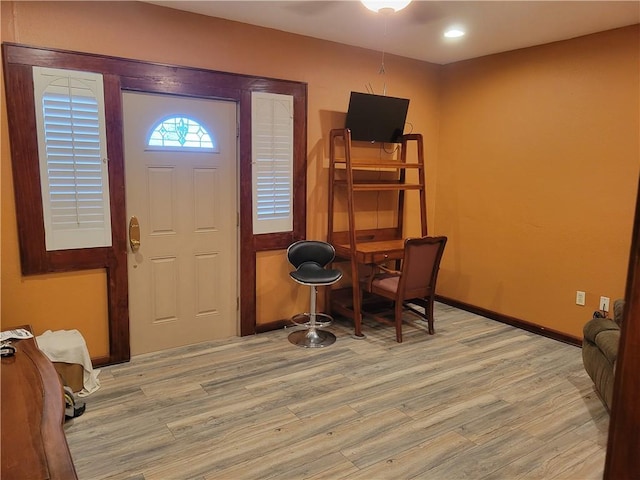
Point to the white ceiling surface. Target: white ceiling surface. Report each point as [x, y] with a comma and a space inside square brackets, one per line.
[416, 32]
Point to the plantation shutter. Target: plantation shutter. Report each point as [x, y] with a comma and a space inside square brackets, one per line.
[272, 162]
[73, 158]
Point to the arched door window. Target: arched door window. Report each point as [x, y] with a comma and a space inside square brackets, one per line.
[183, 133]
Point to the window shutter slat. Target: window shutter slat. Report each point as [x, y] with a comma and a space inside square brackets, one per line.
[72, 149]
[272, 147]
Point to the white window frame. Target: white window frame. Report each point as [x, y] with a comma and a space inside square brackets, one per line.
[272, 162]
[83, 218]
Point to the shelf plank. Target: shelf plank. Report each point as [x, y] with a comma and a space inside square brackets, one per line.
[377, 164]
[380, 185]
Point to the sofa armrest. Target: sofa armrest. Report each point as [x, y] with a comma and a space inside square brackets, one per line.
[608, 342]
[604, 334]
[596, 325]
[618, 311]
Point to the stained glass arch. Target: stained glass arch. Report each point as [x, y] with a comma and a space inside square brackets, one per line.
[181, 132]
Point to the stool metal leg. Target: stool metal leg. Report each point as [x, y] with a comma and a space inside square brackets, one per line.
[312, 337]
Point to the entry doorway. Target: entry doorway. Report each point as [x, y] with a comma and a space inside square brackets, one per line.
[181, 196]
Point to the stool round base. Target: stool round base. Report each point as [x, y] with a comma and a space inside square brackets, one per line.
[312, 338]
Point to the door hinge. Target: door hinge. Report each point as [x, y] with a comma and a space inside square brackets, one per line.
[237, 219]
[237, 303]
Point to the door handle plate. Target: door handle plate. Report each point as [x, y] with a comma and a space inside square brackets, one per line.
[134, 234]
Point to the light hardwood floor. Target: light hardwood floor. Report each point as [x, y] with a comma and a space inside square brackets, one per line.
[478, 400]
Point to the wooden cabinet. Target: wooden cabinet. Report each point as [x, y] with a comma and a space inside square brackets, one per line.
[359, 246]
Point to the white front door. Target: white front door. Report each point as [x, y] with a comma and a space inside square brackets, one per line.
[183, 277]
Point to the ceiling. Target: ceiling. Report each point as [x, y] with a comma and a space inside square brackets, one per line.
[417, 31]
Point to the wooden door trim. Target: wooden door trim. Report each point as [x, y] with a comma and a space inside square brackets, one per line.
[622, 460]
[135, 75]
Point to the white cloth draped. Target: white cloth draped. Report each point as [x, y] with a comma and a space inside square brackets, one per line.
[69, 346]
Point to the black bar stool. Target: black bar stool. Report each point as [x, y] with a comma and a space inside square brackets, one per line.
[310, 258]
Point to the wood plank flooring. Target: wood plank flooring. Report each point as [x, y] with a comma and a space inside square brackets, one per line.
[478, 400]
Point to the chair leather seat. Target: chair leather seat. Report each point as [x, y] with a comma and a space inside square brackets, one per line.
[386, 281]
[311, 273]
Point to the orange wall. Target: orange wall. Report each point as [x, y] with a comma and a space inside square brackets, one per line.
[537, 176]
[152, 33]
[532, 157]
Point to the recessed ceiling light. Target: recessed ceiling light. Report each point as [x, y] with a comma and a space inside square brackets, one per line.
[454, 33]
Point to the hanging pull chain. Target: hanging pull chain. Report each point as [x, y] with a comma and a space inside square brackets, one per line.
[382, 70]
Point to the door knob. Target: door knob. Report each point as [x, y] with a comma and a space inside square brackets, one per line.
[134, 234]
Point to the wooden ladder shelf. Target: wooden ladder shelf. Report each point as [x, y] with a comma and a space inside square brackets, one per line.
[369, 246]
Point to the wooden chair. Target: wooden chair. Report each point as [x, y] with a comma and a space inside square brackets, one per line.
[416, 281]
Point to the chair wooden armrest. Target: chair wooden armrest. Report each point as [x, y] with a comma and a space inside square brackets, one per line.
[388, 270]
[376, 271]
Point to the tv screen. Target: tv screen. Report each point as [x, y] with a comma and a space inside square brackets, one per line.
[376, 118]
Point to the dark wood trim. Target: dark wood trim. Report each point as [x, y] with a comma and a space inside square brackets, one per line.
[276, 325]
[117, 277]
[622, 461]
[247, 248]
[100, 361]
[135, 75]
[515, 322]
[26, 173]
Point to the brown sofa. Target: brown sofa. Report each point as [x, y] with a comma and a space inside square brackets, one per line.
[600, 351]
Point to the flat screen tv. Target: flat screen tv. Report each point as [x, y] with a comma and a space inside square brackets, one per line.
[376, 118]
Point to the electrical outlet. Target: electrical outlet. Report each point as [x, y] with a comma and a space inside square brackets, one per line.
[604, 304]
[580, 297]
